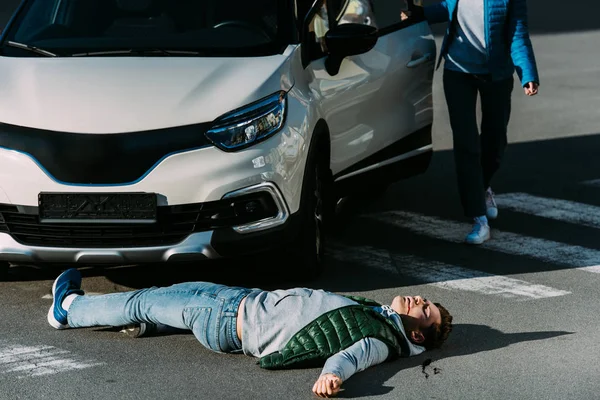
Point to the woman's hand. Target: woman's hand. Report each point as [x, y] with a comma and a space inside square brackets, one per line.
[327, 385]
[531, 88]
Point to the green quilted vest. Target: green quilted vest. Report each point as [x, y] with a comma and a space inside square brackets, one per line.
[333, 332]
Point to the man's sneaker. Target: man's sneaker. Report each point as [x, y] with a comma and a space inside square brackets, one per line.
[490, 204]
[139, 330]
[69, 282]
[480, 232]
[149, 329]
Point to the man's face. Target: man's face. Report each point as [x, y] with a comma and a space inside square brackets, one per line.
[418, 313]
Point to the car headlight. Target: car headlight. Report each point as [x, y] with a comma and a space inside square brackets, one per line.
[250, 124]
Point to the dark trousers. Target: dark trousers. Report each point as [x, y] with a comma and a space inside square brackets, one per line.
[477, 157]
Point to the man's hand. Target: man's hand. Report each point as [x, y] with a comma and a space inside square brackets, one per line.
[531, 88]
[327, 385]
[404, 15]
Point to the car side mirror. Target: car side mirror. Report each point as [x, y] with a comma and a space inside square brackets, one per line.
[348, 40]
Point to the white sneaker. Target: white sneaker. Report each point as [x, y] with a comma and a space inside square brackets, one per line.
[490, 204]
[479, 234]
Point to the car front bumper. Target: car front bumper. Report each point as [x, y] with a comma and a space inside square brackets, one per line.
[189, 232]
[196, 246]
[199, 246]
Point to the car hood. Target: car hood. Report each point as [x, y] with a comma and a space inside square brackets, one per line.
[128, 94]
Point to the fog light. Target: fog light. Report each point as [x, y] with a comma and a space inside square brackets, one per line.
[247, 207]
[252, 207]
[257, 208]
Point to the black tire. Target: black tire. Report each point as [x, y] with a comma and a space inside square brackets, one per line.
[4, 270]
[355, 202]
[307, 252]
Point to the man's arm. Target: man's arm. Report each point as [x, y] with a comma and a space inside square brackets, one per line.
[521, 48]
[361, 355]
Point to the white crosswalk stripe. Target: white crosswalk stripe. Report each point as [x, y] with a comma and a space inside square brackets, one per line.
[594, 268]
[446, 276]
[557, 209]
[504, 242]
[31, 361]
[365, 256]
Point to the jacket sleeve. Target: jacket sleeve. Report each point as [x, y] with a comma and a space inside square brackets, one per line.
[361, 355]
[521, 48]
[437, 13]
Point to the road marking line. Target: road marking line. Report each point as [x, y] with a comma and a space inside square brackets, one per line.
[29, 361]
[18, 350]
[505, 242]
[459, 278]
[594, 268]
[366, 256]
[449, 277]
[8, 359]
[557, 209]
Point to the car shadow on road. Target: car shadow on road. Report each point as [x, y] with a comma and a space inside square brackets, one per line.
[465, 339]
[129, 277]
[366, 244]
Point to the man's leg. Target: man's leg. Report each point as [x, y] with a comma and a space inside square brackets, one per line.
[162, 305]
[495, 109]
[208, 310]
[461, 97]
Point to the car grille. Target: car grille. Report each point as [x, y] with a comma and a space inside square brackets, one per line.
[81, 158]
[174, 224]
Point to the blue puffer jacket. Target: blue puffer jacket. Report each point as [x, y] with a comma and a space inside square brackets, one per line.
[506, 32]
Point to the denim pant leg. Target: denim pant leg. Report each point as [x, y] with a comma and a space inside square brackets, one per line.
[212, 316]
[209, 310]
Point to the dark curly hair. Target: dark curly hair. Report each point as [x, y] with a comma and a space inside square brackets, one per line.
[437, 334]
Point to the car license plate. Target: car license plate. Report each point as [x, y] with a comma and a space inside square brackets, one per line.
[97, 207]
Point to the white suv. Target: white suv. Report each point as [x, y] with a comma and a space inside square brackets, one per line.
[136, 131]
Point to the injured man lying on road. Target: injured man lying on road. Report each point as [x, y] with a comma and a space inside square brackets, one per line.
[283, 328]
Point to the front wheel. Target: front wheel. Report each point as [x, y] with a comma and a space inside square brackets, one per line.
[307, 251]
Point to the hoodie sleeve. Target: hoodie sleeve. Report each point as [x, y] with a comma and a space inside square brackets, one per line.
[437, 13]
[361, 355]
[521, 49]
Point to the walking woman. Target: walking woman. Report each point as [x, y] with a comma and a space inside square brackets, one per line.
[486, 41]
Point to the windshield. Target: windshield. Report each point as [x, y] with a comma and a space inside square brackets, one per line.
[151, 27]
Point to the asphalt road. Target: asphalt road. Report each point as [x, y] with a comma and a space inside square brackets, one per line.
[524, 304]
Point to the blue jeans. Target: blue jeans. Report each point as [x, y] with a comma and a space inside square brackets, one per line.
[209, 310]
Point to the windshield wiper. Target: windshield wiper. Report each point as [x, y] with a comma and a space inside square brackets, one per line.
[140, 52]
[33, 49]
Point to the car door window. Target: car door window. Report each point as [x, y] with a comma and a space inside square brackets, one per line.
[388, 14]
[356, 12]
[344, 12]
[317, 28]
